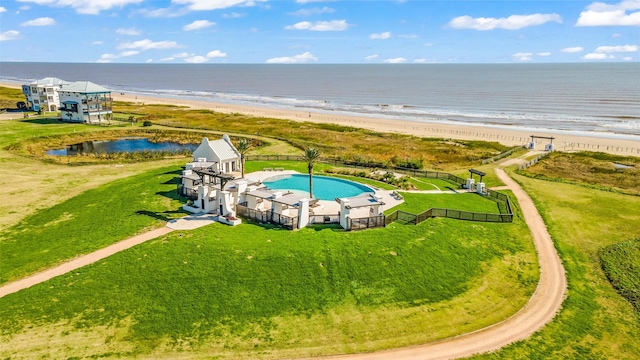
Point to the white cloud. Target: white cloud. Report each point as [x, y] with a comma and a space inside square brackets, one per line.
[2, 9]
[216, 54]
[420, 60]
[595, 56]
[513, 22]
[575, 49]
[296, 59]
[109, 57]
[43, 21]
[9, 35]
[546, 53]
[233, 15]
[149, 61]
[602, 14]
[198, 59]
[130, 31]
[147, 44]
[627, 58]
[92, 7]
[182, 55]
[382, 36]
[313, 11]
[523, 56]
[371, 57]
[197, 5]
[398, 60]
[616, 35]
[97, 42]
[197, 25]
[333, 25]
[408, 36]
[312, 1]
[619, 48]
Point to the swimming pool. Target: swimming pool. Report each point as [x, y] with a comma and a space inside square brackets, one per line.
[324, 188]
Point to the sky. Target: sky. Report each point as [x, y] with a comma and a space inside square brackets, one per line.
[317, 31]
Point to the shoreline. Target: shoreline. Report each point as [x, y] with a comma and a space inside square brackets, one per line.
[619, 144]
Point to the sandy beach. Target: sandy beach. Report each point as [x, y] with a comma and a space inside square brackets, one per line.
[517, 136]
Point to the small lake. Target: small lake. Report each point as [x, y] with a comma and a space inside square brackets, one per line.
[120, 145]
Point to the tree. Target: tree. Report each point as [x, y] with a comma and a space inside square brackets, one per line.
[242, 147]
[311, 156]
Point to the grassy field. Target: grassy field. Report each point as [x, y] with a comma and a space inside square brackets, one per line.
[596, 170]
[595, 322]
[621, 264]
[254, 291]
[417, 203]
[89, 221]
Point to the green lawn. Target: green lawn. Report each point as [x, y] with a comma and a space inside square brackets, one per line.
[621, 264]
[88, 222]
[253, 291]
[416, 203]
[595, 321]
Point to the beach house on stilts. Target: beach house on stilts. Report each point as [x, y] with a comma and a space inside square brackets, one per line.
[42, 95]
[85, 102]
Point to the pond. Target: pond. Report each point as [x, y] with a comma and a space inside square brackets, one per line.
[120, 145]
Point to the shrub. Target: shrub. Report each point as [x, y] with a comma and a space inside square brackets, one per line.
[147, 123]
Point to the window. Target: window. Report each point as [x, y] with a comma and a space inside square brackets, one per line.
[36, 101]
[50, 90]
[50, 98]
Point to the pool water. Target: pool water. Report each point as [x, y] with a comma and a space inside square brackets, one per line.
[324, 188]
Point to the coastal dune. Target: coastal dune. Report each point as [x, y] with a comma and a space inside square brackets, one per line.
[564, 141]
[515, 136]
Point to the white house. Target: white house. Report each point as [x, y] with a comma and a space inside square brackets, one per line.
[43, 94]
[213, 164]
[84, 101]
[222, 153]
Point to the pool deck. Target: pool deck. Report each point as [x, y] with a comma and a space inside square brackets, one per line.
[327, 207]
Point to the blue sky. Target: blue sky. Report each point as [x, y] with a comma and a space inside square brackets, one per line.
[316, 31]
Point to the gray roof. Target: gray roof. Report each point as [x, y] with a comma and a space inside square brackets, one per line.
[363, 201]
[289, 199]
[84, 87]
[261, 193]
[50, 81]
[223, 149]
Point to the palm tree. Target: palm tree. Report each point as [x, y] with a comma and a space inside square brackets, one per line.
[311, 155]
[242, 147]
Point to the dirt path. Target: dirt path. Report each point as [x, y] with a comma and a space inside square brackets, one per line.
[74, 264]
[540, 310]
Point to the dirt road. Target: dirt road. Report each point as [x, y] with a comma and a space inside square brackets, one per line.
[540, 310]
[81, 261]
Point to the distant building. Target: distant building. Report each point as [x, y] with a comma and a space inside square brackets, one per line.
[84, 101]
[42, 95]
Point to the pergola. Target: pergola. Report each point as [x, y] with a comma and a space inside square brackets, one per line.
[224, 178]
[477, 172]
[542, 137]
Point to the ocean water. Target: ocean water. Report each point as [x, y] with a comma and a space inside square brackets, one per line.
[601, 98]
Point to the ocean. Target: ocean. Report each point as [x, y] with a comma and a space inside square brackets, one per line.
[591, 98]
